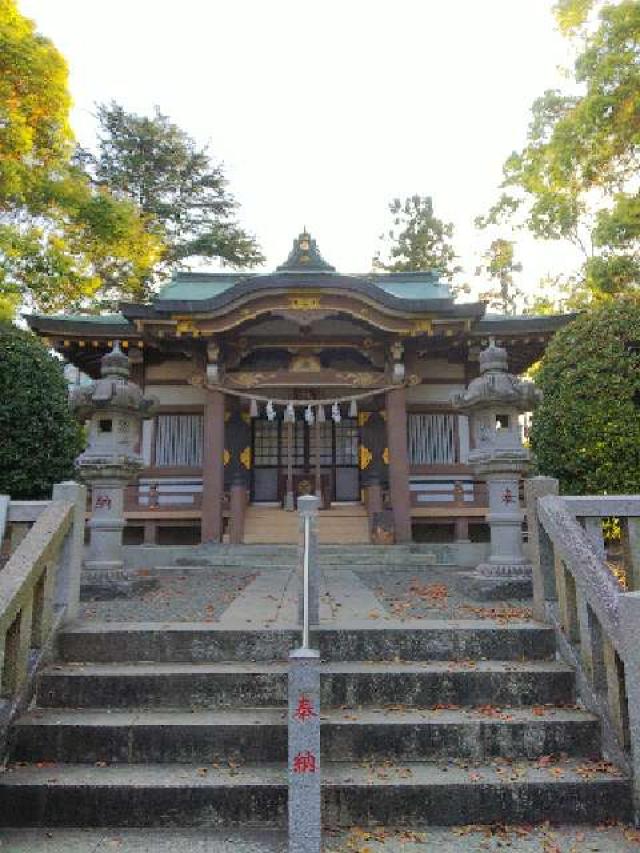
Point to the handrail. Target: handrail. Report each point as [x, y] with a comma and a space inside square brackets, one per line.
[596, 621]
[39, 589]
[305, 584]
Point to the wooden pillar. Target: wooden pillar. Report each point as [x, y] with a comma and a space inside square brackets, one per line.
[213, 467]
[289, 499]
[373, 498]
[399, 463]
[461, 529]
[318, 466]
[237, 510]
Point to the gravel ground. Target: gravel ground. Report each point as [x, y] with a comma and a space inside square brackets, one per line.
[436, 593]
[520, 839]
[193, 596]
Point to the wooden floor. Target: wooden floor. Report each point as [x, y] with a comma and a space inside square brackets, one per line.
[340, 525]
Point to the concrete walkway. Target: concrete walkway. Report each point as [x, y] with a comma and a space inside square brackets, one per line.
[271, 601]
[524, 839]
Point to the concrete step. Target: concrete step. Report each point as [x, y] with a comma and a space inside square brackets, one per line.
[269, 555]
[417, 794]
[436, 639]
[206, 686]
[260, 735]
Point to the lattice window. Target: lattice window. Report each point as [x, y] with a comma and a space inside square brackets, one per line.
[265, 444]
[432, 439]
[178, 441]
[347, 442]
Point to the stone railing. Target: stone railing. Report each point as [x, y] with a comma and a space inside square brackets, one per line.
[39, 587]
[597, 621]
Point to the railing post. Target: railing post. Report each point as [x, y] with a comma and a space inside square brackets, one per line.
[308, 508]
[67, 593]
[540, 546]
[4, 516]
[631, 550]
[305, 826]
[593, 528]
[629, 614]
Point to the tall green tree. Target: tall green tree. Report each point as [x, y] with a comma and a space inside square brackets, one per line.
[576, 178]
[156, 165]
[417, 240]
[62, 240]
[499, 265]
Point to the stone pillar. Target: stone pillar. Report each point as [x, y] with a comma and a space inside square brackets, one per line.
[540, 547]
[106, 524]
[308, 506]
[305, 827]
[399, 463]
[213, 467]
[505, 519]
[67, 593]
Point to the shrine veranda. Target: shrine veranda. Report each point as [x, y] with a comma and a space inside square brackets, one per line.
[303, 380]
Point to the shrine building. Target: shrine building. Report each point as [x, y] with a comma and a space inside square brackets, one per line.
[303, 380]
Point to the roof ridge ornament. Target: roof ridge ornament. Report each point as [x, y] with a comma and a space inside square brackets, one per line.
[305, 256]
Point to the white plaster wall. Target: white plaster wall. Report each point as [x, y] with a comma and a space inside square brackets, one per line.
[463, 436]
[145, 445]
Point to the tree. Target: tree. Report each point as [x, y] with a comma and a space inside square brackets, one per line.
[156, 165]
[40, 438]
[575, 179]
[500, 265]
[61, 239]
[35, 136]
[587, 430]
[417, 240]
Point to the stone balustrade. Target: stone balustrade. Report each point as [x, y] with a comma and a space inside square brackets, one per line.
[597, 619]
[39, 587]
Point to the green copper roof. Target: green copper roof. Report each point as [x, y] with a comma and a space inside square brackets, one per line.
[106, 319]
[198, 285]
[305, 257]
[415, 289]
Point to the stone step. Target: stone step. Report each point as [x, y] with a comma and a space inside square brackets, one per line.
[204, 686]
[424, 639]
[283, 556]
[260, 735]
[418, 794]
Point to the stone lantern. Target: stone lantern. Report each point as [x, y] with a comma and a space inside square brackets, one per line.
[114, 407]
[494, 401]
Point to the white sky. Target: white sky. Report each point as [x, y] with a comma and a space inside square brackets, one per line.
[324, 111]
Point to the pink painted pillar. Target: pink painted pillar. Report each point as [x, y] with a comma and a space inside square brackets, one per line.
[399, 463]
[213, 467]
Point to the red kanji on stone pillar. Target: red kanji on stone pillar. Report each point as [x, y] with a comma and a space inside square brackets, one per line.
[304, 711]
[304, 762]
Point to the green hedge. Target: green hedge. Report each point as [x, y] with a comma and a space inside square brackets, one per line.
[587, 430]
[39, 439]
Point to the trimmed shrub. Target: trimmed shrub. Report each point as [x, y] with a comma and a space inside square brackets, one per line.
[587, 430]
[39, 438]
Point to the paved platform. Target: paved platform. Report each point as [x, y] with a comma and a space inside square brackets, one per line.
[519, 839]
[267, 598]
